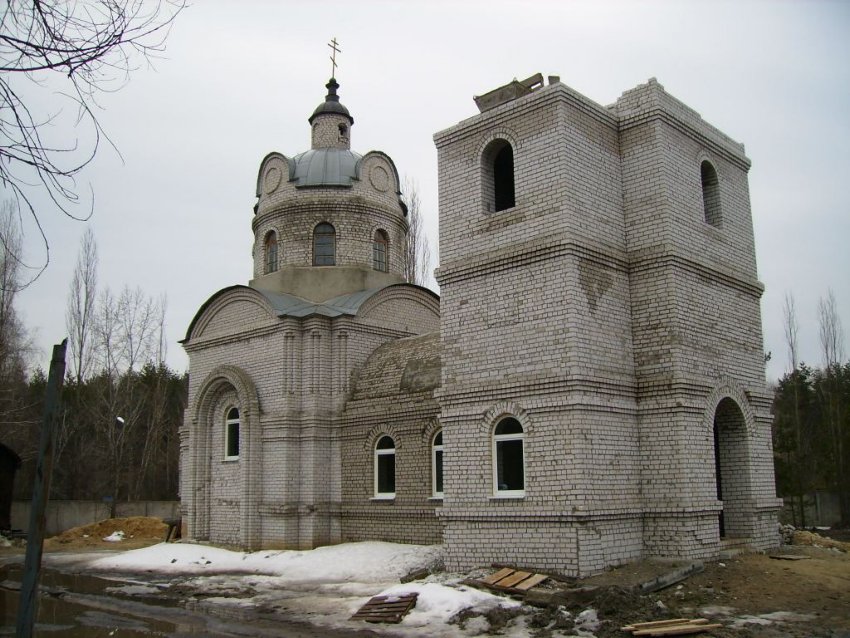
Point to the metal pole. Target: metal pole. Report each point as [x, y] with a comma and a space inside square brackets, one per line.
[28, 605]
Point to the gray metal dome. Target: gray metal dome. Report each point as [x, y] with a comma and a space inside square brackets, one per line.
[331, 104]
[326, 167]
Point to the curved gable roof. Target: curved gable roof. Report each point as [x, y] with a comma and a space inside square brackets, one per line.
[285, 305]
[210, 303]
[425, 295]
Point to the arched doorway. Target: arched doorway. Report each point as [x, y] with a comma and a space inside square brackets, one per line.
[225, 466]
[731, 468]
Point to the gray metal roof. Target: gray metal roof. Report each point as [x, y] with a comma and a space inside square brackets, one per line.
[292, 306]
[325, 167]
[331, 104]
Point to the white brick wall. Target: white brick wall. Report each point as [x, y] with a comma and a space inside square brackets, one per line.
[602, 311]
[606, 309]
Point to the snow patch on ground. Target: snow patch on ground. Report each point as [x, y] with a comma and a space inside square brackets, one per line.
[351, 562]
[115, 537]
[437, 602]
[325, 586]
[769, 619]
[134, 590]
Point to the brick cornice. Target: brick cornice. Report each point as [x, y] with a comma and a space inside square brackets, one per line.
[525, 253]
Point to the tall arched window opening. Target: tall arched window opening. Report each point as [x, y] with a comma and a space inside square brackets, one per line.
[710, 194]
[498, 175]
[271, 252]
[385, 468]
[509, 458]
[231, 435]
[324, 245]
[437, 466]
[380, 244]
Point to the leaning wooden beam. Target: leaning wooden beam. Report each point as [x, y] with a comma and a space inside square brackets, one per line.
[654, 623]
[677, 630]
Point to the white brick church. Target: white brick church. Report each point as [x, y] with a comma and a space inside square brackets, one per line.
[588, 390]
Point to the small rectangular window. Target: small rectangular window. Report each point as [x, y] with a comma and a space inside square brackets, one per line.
[437, 466]
[438, 473]
[509, 466]
[232, 442]
[385, 468]
[379, 256]
[386, 475]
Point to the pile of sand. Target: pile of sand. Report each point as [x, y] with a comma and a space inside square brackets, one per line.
[802, 537]
[137, 528]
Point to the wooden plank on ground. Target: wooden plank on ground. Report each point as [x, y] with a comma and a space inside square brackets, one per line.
[513, 579]
[386, 609]
[655, 623]
[528, 583]
[790, 557]
[677, 630]
[492, 579]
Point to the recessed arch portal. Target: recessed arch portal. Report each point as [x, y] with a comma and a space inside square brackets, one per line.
[731, 463]
[227, 391]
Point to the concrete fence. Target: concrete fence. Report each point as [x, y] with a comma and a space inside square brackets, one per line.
[822, 509]
[62, 515]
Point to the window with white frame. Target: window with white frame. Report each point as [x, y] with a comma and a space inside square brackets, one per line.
[437, 466]
[231, 435]
[508, 458]
[385, 468]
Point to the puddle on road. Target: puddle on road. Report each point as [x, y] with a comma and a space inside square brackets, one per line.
[80, 605]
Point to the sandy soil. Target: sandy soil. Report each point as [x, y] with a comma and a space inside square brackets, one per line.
[741, 591]
[139, 531]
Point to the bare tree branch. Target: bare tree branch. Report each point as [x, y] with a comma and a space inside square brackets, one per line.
[830, 331]
[417, 254]
[79, 314]
[74, 51]
[789, 321]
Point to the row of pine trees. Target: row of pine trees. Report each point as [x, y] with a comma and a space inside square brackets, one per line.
[121, 405]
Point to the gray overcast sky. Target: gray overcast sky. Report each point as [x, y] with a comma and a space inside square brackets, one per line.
[239, 80]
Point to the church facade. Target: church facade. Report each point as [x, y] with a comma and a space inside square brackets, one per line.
[588, 389]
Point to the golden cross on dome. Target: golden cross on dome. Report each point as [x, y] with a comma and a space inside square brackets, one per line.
[333, 44]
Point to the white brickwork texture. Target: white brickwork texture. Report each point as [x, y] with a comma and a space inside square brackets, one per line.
[601, 311]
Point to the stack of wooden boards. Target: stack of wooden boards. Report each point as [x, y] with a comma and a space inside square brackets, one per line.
[672, 627]
[509, 580]
[386, 609]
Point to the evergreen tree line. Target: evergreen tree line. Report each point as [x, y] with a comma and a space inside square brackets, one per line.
[811, 425]
[121, 405]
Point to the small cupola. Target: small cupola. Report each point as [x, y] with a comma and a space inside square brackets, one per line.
[331, 122]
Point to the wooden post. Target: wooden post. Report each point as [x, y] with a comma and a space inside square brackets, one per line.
[28, 604]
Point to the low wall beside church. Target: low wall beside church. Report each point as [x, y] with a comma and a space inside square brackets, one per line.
[62, 515]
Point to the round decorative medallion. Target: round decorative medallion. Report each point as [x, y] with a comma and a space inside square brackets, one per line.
[272, 180]
[379, 178]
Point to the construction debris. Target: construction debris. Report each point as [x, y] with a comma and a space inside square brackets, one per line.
[673, 627]
[386, 609]
[671, 578]
[790, 556]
